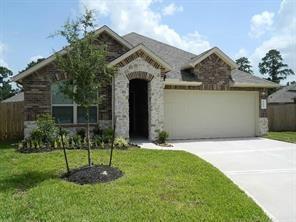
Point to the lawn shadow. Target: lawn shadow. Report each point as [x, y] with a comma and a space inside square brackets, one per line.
[9, 144]
[25, 181]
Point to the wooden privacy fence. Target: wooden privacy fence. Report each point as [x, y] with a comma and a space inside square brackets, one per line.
[282, 117]
[11, 120]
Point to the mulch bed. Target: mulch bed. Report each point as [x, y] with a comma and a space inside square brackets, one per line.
[93, 174]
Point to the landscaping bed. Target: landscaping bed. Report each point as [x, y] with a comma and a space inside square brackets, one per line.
[93, 174]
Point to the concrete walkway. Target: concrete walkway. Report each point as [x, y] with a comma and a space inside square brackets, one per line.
[265, 169]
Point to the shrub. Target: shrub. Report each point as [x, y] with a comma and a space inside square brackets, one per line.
[81, 133]
[36, 134]
[47, 127]
[120, 143]
[77, 140]
[162, 137]
[97, 131]
[107, 135]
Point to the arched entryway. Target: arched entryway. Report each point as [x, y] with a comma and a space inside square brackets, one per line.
[138, 108]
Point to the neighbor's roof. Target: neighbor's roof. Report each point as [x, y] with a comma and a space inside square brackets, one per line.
[16, 98]
[177, 58]
[286, 94]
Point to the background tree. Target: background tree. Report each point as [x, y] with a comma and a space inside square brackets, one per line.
[32, 63]
[244, 65]
[6, 89]
[273, 66]
[84, 62]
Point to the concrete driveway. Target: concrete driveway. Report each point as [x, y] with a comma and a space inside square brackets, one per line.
[265, 169]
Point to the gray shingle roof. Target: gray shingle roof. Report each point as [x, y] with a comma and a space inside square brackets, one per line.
[239, 76]
[286, 94]
[178, 58]
[16, 98]
[172, 55]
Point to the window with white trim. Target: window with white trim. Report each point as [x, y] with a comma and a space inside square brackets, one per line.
[66, 111]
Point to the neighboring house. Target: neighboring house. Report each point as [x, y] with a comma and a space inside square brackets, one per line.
[15, 98]
[282, 109]
[157, 87]
[285, 95]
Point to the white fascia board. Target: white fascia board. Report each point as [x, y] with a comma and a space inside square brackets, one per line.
[51, 58]
[114, 35]
[147, 51]
[216, 50]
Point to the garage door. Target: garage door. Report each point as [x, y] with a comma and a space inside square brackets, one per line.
[192, 114]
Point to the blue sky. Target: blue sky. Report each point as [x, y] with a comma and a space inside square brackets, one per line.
[240, 28]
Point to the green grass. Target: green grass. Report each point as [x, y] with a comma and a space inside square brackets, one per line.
[282, 136]
[156, 186]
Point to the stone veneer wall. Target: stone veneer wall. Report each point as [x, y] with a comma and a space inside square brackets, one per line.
[141, 69]
[37, 93]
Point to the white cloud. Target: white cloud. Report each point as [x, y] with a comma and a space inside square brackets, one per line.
[171, 9]
[261, 23]
[283, 37]
[35, 58]
[139, 17]
[2, 49]
[241, 53]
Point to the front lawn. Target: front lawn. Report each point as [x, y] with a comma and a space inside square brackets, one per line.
[288, 136]
[156, 186]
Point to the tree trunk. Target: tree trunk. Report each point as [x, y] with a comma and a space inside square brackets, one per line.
[88, 138]
[65, 153]
[112, 144]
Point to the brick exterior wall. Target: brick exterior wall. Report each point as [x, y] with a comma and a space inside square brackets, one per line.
[213, 72]
[37, 94]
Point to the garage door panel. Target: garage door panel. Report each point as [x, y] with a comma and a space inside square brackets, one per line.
[191, 114]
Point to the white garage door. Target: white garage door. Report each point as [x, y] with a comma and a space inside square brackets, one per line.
[192, 114]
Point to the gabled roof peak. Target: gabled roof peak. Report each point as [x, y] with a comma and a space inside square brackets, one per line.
[51, 58]
[215, 50]
[143, 48]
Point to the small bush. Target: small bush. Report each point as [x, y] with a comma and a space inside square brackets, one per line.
[47, 128]
[120, 143]
[81, 132]
[97, 131]
[36, 134]
[107, 135]
[162, 137]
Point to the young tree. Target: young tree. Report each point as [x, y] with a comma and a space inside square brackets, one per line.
[84, 63]
[244, 65]
[6, 89]
[273, 66]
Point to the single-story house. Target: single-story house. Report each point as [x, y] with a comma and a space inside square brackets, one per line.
[285, 95]
[156, 87]
[282, 109]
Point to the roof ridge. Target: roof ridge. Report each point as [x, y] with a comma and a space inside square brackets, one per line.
[163, 43]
